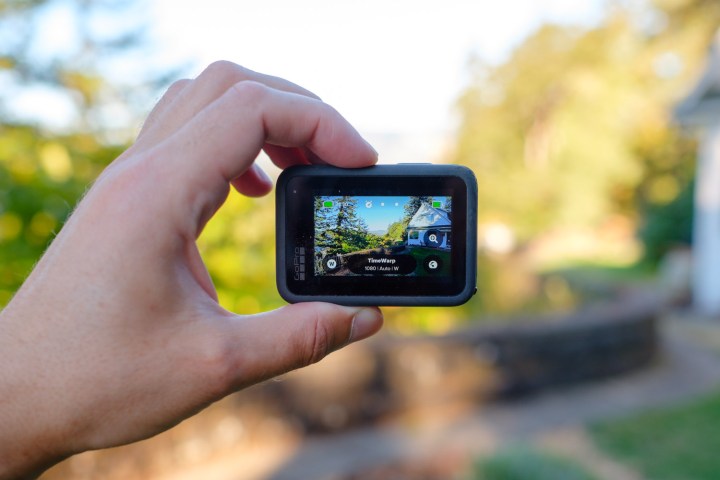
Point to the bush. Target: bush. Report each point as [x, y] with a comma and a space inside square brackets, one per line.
[667, 226]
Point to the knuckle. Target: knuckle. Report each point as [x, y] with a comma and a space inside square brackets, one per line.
[320, 341]
[248, 90]
[215, 357]
[224, 71]
[178, 85]
[250, 97]
[219, 67]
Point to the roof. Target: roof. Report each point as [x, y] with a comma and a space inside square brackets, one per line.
[702, 105]
[428, 216]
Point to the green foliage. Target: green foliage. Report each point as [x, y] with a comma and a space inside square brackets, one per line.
[668, 444]
[238, 247]
[395, 233]
[339, 229]
[574, 127]
[701, 14]
[547, 128]
[522, 463]
[44, 171]
[668, 226]
[41, 179]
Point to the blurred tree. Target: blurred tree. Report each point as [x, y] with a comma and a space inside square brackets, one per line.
[548, 128]
[63, 115]
[576, 127]
[41, 178]
[78, 65]
[683, 32]
[572, 128]
[668, 225]
[76, 78]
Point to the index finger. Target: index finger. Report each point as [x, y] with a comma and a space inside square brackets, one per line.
[221, 142]
[184, 103]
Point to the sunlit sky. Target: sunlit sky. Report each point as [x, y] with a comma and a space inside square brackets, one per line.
[394, 68]
[390, 66]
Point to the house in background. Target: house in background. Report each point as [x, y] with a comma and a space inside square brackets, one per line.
[429, 227]
[700, 111]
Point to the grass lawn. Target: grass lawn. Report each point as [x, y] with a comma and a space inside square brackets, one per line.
[669, 444]
[523, 463]
[600, 271]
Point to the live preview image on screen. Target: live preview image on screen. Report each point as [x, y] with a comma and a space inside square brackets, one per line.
[382, 235]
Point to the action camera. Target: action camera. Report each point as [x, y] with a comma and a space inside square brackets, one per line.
[383, 235]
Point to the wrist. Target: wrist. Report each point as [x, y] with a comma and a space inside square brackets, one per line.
[24, 452]
[29, 444]
[25, 464]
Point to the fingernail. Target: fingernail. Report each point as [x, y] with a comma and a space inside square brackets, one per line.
[261, 174]
[372, 148]
[365, 323]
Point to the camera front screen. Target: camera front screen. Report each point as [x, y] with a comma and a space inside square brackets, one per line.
[385, 235]
[373, 235]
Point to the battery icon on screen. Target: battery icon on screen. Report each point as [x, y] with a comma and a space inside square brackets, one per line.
[328, 204]
[437, 204]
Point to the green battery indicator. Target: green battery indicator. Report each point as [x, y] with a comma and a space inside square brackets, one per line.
[328, 204]
[437, 204]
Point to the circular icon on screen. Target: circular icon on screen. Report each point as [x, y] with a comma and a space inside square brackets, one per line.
[433, 238]
[331, 263]
[432, 264]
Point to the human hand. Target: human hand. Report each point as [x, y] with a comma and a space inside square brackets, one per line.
[117, 334]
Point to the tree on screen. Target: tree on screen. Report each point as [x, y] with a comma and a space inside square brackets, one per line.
[339, 228]
[413, 206]
[395, 233]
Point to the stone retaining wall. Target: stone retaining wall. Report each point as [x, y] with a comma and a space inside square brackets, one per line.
[480, 363]
[390, 377]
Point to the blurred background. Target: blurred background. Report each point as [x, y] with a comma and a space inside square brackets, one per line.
[582, 355]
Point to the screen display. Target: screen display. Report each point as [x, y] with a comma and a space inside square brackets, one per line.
[389, 234]
[382, 236]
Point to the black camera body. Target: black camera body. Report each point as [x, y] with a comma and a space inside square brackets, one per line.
[383, 235]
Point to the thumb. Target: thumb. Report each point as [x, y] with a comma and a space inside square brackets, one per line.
[295, 336]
